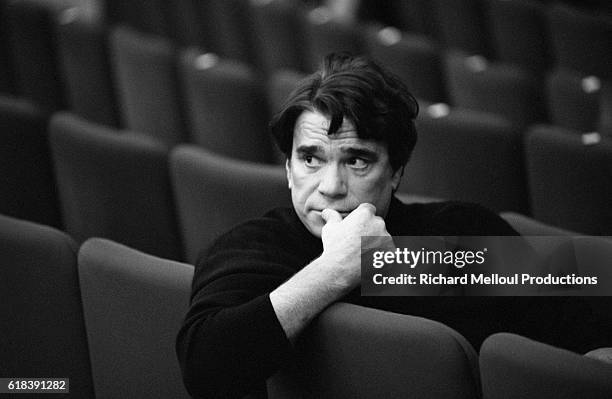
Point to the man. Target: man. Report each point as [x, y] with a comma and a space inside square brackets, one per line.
[347, 132]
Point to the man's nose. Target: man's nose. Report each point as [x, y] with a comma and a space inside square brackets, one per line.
[333, 182]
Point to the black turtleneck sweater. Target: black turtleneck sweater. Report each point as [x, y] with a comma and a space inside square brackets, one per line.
[231, 340]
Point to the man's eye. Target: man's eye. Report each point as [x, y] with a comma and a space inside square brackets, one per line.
[311, 160]
[358, 163]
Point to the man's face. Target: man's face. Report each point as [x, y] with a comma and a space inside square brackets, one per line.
[338, 171]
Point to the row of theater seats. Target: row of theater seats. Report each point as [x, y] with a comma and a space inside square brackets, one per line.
[106, 316]
[128, 77]
[172, 201]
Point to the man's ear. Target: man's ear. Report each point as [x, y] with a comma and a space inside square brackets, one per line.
[288, 170]
[397, 178]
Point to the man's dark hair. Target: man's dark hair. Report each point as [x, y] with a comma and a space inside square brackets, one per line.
[374, 100]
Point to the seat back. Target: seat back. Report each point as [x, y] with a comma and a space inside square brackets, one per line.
[475, 83]
[467, 155]
[147, 84]
[214, 193]
[26, 172]
[133, 305]
[114, 185]
[34, 51]
[43, 330]
[356, 352]
[518, 33]
[570, 179]
[226, 107]
[512, 366]
[573, 99]
[85, 67]
[415, 59]
[277, 33]
[580, 40]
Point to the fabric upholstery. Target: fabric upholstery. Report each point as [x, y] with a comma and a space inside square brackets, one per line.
[467, 155]
[43, 330]
[114, 185]
[512, 366]
[356, 352]
[26, 172]
[147, 84]
[133, 305]
[503, 89]
[85, 67]
[415, 59]
[226, 107]
[570, 182]
[213, 193]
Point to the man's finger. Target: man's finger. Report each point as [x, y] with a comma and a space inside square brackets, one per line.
[367, 206]
[330, 215]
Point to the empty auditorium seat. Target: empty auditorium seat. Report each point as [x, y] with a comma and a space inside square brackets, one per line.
[147, 16]
[85, 66]
[147, 83]
[512, 366]
[570, 179]
[581, 41]
[461, 25]
[356, 352]
[518, 33]
[34, 51]
[467, 155]
[7, 79]
[414, 58]
[26, 172]
[278, 87]
[226, 107]
[605, 109]
[474, 82]
[114, 185]
[214, 193]
[277, 33]
[133, 305]
[573, 99]
[416, 16]
[226, 29]
[43, 333]
[323, 35]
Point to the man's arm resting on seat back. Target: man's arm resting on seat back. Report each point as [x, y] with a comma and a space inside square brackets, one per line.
[331, 276]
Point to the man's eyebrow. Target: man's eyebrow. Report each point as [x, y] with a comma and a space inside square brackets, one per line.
[363, 152]
[308, 149]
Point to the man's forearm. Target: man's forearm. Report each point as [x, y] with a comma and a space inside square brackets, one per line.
[301, 298]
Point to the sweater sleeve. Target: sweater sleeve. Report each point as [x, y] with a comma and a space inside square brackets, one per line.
[231, 340]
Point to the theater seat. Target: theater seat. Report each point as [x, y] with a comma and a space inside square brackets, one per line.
[43, 330]
[226, 107]
[146, 76]
[476, 83]
[513, 366]
[115, 185]
[33, 50]
[573, 99]
[518, 33]
[277, 33]
[356, 352]
[85, 66]
[580, 40]
[570, 179]
[467, 155]
[414, 58]
[133, 305]
[324, 35]
[26, 172]
[213, 193]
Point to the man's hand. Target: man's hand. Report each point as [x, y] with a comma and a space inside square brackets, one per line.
[332, 275]
[342, 239]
